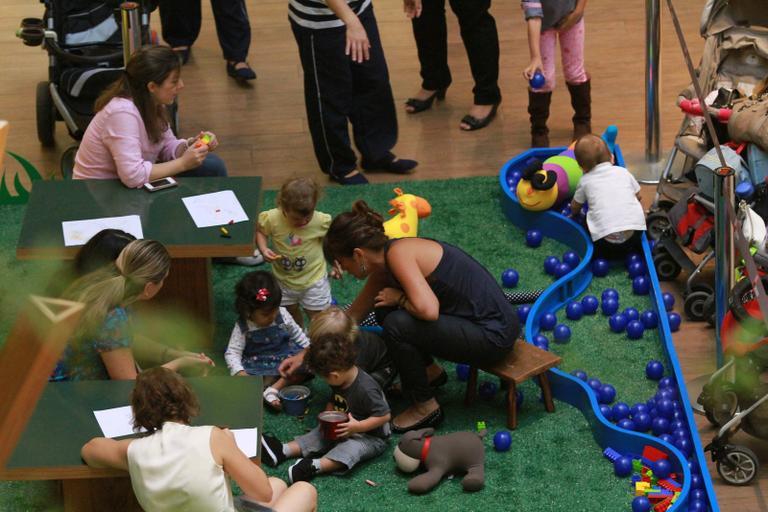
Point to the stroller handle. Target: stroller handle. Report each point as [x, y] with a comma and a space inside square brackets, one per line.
[54, 47]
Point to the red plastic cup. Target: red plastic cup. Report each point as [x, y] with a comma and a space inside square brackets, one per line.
[329, 421]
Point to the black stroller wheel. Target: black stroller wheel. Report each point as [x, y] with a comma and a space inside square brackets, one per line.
[656, 224]
[695, 306]
[45, 115]
[738, 465]
[666, 266]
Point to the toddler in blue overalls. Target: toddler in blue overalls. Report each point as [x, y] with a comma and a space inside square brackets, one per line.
[264, 335]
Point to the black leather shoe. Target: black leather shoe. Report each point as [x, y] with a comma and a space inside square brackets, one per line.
[433, 419]
[418, 105]
[242, 74]
[475, 123]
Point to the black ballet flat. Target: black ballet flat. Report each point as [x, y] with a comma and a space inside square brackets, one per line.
[421, 105]
[183, 54]
[433, 420]
[475, 123]
[240, 74]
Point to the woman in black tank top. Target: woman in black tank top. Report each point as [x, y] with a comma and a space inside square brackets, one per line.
[431, 298]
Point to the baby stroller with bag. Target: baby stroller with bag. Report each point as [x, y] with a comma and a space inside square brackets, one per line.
[734, 60]
[84, 41]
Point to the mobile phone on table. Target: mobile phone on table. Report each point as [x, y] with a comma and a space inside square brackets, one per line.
[160, 184]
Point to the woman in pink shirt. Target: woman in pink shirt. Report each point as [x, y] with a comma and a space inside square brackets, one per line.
[130, 137]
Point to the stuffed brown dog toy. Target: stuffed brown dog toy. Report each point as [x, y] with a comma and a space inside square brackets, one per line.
[460, 452]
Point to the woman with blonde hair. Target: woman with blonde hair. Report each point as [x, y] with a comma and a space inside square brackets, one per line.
[102, 345]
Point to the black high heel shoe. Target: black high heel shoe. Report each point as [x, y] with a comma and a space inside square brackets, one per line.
[421, 105]
[475, 123]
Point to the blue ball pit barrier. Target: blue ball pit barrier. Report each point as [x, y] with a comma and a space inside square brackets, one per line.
[571, 389]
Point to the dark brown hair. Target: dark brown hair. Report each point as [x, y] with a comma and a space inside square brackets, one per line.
[360, 228]
[331, 352]
[162, 395]
[298, 195]
[590, 151]
[248, 297]
[149, 64]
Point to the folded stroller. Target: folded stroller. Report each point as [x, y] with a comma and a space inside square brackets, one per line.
[85, 46]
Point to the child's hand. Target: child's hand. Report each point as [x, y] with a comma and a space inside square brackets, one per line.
[357, 42]
[570, 19]
[352, 426]
[290, 364]
[241, 373]
[412, 8]
[336, 272]
[270, 255]
[388, 297]
[533, 66]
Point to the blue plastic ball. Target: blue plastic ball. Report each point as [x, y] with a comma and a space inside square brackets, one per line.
[637, 409]
[550, 264]
[537, 81]
[610, 293]
[661, 468]
[595, 384]
[509, 278]
[698, 494]
[679, 429]
[606, 411]
[547, 321]
[462, 372]
[697, 505]
[660, 426]
[600, 267]
[665, 393]
[620, 411]
[641, 504]
[618, 322]
[669, 300]
[514, 176]
[627, 424]
[580, 374]
[522, 312]
[607, 394]
[574, 310]
[533, 238]
[667, 438]
[654, 370]
[631, 314]
[631, 258]
[642, 422]
[641, 285]
[696, 481]
[683, 444]
[667, 382]
[665, 408]
[622, 467]
[541, 341]
[589, 304]
[674, 321]
[502, 441]
[334, 302]
[562, 269]
[635, 330]
[636, 269]
[562, 333]
[650, 319]
[487, 389]
[572, 258]
[609, 306]
[565, 210]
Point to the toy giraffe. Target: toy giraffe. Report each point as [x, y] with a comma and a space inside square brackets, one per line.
[407, 210]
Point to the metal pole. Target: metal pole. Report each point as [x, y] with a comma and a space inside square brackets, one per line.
[131, 29]
[653, 45]
[724, 250]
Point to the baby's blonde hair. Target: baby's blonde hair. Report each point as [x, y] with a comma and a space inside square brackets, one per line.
[333, 321]
[299, 195]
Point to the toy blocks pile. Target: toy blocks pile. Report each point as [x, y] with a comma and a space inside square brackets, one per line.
[661, 492]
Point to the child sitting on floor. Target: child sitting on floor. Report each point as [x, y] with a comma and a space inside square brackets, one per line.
[615, 218]
[265, 334]
[296, 230]
[362, 437]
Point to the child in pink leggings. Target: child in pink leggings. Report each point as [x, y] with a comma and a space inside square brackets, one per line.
[547, 21]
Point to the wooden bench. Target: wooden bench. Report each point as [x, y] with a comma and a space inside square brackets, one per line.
[522, 363]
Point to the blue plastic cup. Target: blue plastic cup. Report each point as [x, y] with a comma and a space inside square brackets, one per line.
[294, 399]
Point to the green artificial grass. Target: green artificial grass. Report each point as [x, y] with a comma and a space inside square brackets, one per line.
[554, 463]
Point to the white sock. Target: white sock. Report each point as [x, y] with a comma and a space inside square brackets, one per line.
[316, 464]
[286, 450]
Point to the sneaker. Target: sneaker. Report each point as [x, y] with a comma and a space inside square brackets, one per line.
[250, 261]
[301, 471]
[271, 451]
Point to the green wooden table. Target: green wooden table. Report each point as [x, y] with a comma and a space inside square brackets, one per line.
[163, 218]
[63, 421]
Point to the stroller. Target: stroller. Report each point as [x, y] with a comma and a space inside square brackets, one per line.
[84, 41]
[735, 397]
[735, 57]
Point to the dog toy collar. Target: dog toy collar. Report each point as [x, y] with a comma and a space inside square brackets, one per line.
[425, 449]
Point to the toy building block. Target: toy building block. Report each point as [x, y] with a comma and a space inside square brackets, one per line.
[637, 465]
[641, 488]
[666, 484]
[611, 454]
[653, 454]
[663, 506]
[481, 426]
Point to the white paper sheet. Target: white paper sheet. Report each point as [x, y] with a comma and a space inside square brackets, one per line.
[77, 232]
[215, 209]
[247, 440]
[116, 422]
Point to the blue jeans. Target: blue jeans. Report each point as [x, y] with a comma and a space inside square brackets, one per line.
[212, 166]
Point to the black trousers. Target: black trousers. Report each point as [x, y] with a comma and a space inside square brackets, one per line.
[609, 251]
[478, 31]
[181, 21]
[337, 90]
[411, 343]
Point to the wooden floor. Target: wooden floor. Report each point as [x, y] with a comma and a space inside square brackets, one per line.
[263, 127]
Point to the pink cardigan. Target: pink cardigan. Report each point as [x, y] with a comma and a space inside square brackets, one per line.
[116, 145]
